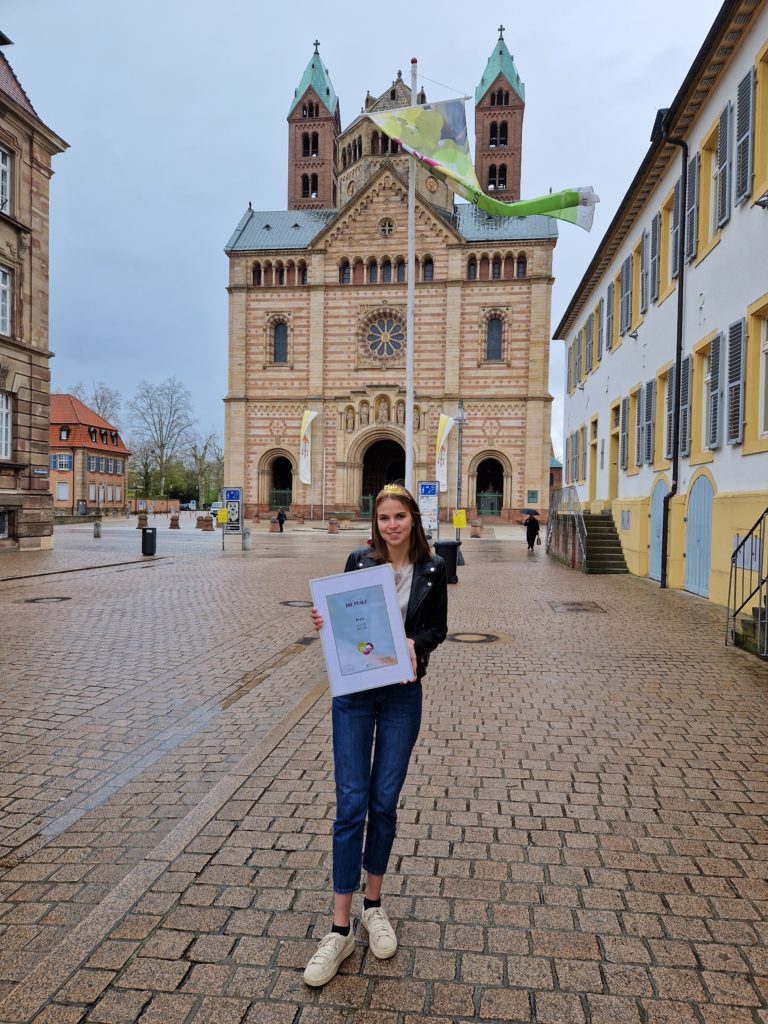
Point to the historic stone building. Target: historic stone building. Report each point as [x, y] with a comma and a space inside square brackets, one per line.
[27, 147]
[317, 312]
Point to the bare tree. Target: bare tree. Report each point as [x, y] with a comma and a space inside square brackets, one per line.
[200, 450]
[104, 400]
[161, 415]
[143, 463]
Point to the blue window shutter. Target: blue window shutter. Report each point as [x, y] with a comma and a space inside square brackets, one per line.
[600, 325]
[609, 299]
[670, 413]
[745, 114]
[52, 462]
[639, 428]
[644, 272]
[569, 361]
[650, 420]
[623, 433]
[715, 393]
[685, 406]
[625, 302]
[588, 331]
[735, 412]
[674, 240]
[584, 453]
[724, 167]
[654, 257]
[567, 464]
[577, 360]
[692, 208]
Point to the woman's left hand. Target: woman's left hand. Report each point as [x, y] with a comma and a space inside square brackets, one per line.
[414, 666]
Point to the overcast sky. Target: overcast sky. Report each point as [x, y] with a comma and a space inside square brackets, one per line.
[175, 112]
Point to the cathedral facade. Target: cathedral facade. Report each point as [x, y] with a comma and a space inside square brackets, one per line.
[317, 317]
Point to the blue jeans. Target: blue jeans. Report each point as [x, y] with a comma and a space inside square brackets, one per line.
[391, 714]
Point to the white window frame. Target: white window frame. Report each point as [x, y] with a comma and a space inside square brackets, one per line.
[763, 421]
[118, 493]
[62, 490]
[5, 525]
[63, 462]
[6, 286]
[91, 492]
[6, 168]
[6, 425]
[110, 492]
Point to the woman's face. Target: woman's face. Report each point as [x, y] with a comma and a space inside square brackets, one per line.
[394, 521]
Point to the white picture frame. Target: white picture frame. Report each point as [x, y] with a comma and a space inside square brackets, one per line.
[363, 638]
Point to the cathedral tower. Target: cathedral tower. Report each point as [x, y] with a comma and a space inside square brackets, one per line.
[314, 122]
[499, 108]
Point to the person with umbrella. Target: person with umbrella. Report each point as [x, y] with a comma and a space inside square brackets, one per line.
[531, 525]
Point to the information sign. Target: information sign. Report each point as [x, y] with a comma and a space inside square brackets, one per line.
[233, 506]
[428, 501]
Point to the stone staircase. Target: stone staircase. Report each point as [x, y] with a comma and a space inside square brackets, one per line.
[604, 551]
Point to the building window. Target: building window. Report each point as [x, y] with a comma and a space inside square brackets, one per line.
[118, 493]
[63, 433]
[305, 186]
[503, 133]
[305, 144]
[5, 425]
[102, 464]
[302, 274]
[472, 270]
[493, 140]
[63, 462]
[5, 525]
[91, 463]
[400, 271]
[373, 272]
[5, 301]
[280, 343]
[386, 272]
[103, 435]
[5, 180]
[522, 267]
[345, 273]
[110, 493]
[496, 270]
[386, 228]
[92, 433]
[428, 270]
[492, 178]
[62, 490]
[313, 187]
[386, 336]
[91, 492]
[493, 339]
[501, 181]
[110, 465]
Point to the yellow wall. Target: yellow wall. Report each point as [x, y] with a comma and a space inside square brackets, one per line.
[732, 513]
[634, 541]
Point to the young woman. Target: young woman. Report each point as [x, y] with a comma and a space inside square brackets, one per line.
[384, 722]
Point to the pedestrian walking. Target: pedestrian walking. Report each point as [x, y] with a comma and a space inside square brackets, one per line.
[281, 517]
[532, 531]
[374, 732]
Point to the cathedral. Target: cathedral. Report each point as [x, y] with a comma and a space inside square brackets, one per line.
[317, 317]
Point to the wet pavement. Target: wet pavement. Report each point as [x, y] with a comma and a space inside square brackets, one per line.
[583, 834]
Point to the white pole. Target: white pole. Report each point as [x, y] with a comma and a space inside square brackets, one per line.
[322, 489]
[411, 300]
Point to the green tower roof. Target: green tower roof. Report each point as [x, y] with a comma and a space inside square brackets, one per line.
[500, 63]
[316, 75]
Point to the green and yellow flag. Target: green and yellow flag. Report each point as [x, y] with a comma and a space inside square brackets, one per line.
[436, 135]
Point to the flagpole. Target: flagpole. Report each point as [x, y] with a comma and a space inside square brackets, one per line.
[409, 328]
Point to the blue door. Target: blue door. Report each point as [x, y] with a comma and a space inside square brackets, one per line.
[657, 515]
[698, 546]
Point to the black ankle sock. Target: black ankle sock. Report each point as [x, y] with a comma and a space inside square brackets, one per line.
[340, 929]
[367, 904]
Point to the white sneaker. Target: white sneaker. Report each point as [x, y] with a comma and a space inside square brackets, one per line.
[381, 935]
[333, 950]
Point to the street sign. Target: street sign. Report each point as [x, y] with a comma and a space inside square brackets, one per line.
[429, 502]
[233, 506]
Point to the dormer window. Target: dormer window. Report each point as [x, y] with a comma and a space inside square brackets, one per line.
[103, 435]
[92, 433]
[113, 437]
[63, 433]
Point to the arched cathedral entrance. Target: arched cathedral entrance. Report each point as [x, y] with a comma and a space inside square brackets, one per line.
[281, 483]
[490, 487]
[383, 463]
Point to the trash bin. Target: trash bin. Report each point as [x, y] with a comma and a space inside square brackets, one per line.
[448, 551]
[247, 540]
[148, 540]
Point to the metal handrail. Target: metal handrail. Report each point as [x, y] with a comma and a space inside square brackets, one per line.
[748, 584]
[566, 530]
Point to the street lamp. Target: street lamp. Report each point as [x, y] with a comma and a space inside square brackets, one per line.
[461, 419]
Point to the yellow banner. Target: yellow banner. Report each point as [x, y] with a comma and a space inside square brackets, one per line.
[441, 450]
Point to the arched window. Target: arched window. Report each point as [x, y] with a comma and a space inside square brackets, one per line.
[400, 271]
[499, 98]
[280, 343]
[493, 334]
[373, 272]
[354, 150]
[394, 147]
[506, 98]
[384, 143]
[313, 187]
[496, 269]
[428, 269]
[314, 145]
[492, 178]
[257, 274]
[375, 144]
[345, 273]
[493, 99]
[305, 144]
[343, 159]
[305, 186]
[303, 273]
[521, 266]
[280, 275]
[502, 179]
[304, 110]
[472, 270]
[494, 136]
[359, 145]
[392, 94]
[503, 133]
[386, 272]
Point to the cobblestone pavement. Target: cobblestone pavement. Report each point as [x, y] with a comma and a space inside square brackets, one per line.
[583, 834]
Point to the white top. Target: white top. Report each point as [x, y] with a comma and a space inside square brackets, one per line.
[403, 581]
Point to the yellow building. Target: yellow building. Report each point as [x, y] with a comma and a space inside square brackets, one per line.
[317, 309]
[666, 411]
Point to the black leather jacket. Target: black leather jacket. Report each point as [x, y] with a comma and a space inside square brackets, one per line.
[426, 621]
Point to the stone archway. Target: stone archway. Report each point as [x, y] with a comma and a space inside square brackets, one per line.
[383, 463]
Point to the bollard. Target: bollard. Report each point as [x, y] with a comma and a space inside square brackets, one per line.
[97, 530]
[141, 521]
[207, 524]
[199, 522]
[174, 523]
[476, 528]
[247, 541]
[333, 526]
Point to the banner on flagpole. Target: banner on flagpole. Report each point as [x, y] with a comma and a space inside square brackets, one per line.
[441, 450]
[305, 447]
[436, 135]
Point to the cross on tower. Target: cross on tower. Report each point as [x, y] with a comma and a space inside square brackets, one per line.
[501, 31]
[316, 44]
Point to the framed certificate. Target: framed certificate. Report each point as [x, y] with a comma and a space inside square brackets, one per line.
[363, 638]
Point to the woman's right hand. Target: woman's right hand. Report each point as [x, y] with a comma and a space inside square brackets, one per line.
[317, 618]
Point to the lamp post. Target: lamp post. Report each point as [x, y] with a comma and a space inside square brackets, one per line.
[461, 419]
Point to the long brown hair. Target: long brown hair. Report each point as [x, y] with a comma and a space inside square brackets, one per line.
[419, 549]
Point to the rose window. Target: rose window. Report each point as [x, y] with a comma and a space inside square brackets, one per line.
[386, 336]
